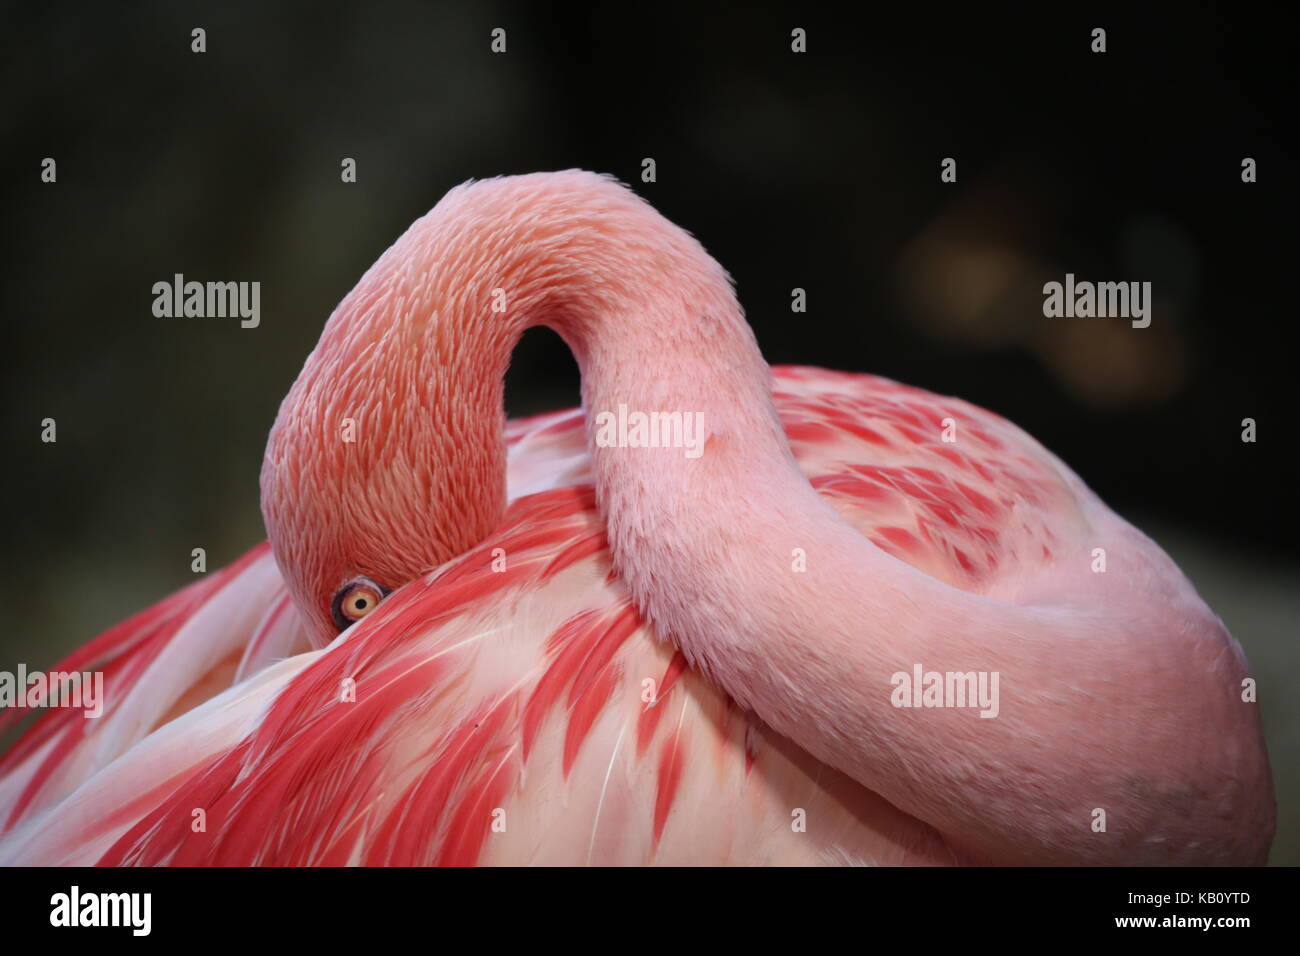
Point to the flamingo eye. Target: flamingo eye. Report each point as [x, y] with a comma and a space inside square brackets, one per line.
[355, 600]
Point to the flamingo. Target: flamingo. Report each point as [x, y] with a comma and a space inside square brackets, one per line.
[472, 640]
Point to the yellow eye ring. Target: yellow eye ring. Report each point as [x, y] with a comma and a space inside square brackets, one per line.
[354, 600]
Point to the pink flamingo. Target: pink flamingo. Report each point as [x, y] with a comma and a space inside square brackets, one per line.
[604, 654]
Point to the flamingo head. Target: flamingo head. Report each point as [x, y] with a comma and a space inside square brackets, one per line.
[382, 464]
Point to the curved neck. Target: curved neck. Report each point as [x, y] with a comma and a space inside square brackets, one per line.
[649, 316]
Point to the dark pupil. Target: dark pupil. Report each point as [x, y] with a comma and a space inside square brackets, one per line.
[360, 604]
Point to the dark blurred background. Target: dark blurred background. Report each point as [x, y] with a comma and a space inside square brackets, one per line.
[818, 171]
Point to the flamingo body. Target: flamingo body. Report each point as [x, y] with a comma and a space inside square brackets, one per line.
[613, 655]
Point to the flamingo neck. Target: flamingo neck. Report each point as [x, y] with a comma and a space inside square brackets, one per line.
[706, 538]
